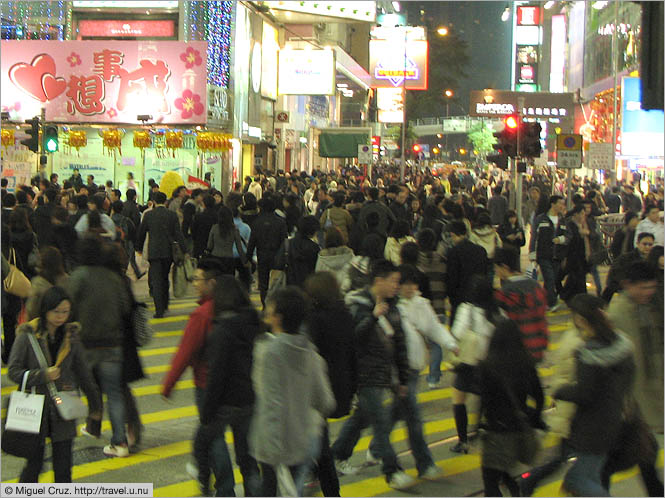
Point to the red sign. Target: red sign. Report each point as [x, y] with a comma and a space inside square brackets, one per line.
[528, 16]
[376, 141]
[128, 29]
[526, 73]
[105, 81]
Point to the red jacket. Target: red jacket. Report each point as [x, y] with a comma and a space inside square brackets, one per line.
[191, 348]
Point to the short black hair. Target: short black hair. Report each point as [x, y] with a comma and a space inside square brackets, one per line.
[408, 274]
[51, 193]
[308, 226]
[196, 191]
[649, 207]
[291, 304]
[427, 239]
[82, 201]
[117, 206]
[458, 227]
[9, 200]
[640, 271]
[210, 266]
[130, 194]
[381, 268]
[159, 197]
[4, 182]
[208, 201]
[644, 235]
[373, 193]
[409, 253]
[630, 215]
[508, 257]
[117, 192]
[333, 238]
[554, 199]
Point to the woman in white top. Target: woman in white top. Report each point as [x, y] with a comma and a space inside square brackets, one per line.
[472, 328]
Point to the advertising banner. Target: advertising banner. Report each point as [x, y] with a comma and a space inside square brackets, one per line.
[306, 72]
[105, 81]
[390, 103]
[389, 66]
[641, 131]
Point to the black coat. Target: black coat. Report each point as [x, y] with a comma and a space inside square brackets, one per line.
[377, 353]
[332, 332]
[201, 226]
[64, 237]
[542, 240]
[164, 228]
[302, 256]
[42, 222]
[131, 211]
[230, 349]
[464, 260]
[268, 233]
[605, 375]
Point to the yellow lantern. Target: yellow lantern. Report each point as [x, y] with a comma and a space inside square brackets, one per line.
[169, 182]
[77, 139]
[112, 140]
[142, 141]
[7, 137]
[174, 140]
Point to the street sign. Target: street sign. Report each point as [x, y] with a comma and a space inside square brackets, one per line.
[364, 154]
[600, 156]
[569, 151]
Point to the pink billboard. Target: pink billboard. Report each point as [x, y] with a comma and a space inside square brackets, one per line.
[105, 81]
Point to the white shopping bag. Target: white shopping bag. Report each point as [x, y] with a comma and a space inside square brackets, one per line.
[285, 484]
[25, 410]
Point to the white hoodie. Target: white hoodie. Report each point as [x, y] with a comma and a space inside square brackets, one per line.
[419, 321]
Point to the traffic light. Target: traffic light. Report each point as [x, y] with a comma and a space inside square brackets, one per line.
[416, 148]
[530, 140]
[32, 143]
[508, 136]
[50, 138]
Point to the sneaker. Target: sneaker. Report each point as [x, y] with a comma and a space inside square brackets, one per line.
[92, 428]
[401, 480]
[432, 384]
[345, 468]
[554, 308]
[460, 448]
[432, 473]
[116, 450]
[371, 459]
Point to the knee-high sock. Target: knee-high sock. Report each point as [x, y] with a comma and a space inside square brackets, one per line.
[461, 421]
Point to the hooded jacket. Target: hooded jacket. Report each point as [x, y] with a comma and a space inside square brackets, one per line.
[357, 274]
[293, 396]
[335, 260]
[230, 348]
[487, 238]
[381, 342]
[604, 377]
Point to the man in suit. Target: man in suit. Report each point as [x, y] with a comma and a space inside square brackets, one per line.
[164, 229]
[464, 260]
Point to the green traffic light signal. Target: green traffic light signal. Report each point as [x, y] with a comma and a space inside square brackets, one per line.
[51, 138]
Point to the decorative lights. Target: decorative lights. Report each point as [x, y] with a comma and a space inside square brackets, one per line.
[212, 22]
[34, 20]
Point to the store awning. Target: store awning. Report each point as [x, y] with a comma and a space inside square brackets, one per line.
[341, 144]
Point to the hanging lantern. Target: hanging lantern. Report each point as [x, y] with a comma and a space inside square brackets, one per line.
[174, 140]
[204, 141]
[159, 144]
[142, 141]
[77, 139]
[112, 140]
[7, 137]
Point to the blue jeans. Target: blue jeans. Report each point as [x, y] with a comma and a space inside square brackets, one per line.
[110, 377]
[435, 357]
[407, 409]
[596, 279]
[298, 472]
[370, 412]
[550, 271]
[584, 477]
[211, 451]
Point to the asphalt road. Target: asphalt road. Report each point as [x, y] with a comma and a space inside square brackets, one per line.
[169, 426]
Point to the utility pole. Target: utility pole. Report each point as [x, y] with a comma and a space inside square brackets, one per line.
[613, 172]
[402, 167]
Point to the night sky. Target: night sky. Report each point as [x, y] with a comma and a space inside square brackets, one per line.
[488, 38]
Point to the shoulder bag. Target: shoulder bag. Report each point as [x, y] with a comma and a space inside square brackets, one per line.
[21, 436]
[278, 277]
[16, 282]
[140, 321]
[68, 403]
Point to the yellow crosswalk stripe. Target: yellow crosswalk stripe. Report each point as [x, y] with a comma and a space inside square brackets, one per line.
[169, 319]
[176, 306]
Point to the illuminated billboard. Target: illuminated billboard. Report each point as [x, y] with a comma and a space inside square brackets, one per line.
[390, 103]
[306, 72]
[391, 66]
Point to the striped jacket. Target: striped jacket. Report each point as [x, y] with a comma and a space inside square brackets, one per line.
[525, 301]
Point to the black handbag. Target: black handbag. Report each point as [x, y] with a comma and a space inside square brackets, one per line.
[21, 444]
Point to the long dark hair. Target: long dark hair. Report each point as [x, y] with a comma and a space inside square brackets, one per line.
[323, 289]
[506, 353]
[50, 301]
[50, 264]
[230, 295]
[481, 294]
[225, 221]
[591, 309]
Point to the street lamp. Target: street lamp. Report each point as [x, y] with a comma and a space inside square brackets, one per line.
[449, 93]
[506, 14]
[442, 31]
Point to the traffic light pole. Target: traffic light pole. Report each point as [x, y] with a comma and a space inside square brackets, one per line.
[43, 123]
[516, 174]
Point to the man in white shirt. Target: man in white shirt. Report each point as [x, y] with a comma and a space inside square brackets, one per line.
[96, 203]
[651, 224]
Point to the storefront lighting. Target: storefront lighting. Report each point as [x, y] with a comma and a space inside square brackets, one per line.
[396, 6]
[599, 5]
[303, 140]
[549, 5]
[506, 14]
[342, 85]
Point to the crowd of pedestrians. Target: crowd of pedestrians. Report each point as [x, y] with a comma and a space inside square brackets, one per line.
[363, 285]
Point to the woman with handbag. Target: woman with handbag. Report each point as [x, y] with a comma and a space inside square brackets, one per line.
[60, 346]
[221, 240]
[507, 377]
[473, 327]
[605, 369]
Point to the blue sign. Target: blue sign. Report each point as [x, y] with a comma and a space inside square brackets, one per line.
[641, 131]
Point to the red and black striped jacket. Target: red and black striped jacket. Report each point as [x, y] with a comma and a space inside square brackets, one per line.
[525, 301]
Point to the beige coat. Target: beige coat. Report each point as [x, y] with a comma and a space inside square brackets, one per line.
[563, 360]
[640, 324]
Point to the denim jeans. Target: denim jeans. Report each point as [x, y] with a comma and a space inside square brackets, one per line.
[596, 279]
[370, 412]
[111, 380]
[550, 271]
[210, 449]
[407, 409]
[298, 472]
[584, 477]
[435, 358]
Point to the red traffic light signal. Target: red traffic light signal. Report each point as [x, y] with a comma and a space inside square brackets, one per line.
[512, 122]
[416, 148]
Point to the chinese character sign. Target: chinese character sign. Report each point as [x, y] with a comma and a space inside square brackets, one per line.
[105, 81]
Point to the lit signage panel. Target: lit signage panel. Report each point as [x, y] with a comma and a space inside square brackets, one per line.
[130, 29]
[306, 72]
[122, 4]
[359, 11]
[641, 131]
[528, 16]
[390, 66]
[390, 103]
[269, 62]
[558, 54]
[527, 35]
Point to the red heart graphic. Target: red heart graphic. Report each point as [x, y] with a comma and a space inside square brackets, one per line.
[28, 77]
[53, 86]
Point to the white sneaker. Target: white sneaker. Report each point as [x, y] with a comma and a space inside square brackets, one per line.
[555, 308]
[371, 459]
[192, 470]
[433, 385]
[116, 450]
[432, 473]
[345, 468]
[401, 480]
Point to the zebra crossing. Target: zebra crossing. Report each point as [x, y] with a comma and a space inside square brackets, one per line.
[169, 425]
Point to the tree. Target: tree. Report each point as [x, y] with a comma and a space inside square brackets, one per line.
[482, 138]
[395, 133]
